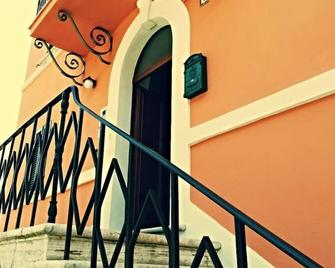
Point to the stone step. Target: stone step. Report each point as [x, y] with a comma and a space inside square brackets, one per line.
[32, 245]
[86, 264]
[159, 230]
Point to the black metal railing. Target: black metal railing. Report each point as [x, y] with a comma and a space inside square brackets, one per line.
[40, 5]
[16, 161]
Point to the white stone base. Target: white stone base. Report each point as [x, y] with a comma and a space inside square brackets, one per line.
[42, 246]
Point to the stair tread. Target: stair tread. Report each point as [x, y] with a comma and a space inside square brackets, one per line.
[60, 230]
[86, 264]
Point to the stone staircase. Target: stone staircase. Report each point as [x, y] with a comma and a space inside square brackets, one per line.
[42, 246]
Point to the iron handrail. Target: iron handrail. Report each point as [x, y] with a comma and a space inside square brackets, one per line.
[238, 214]
[60, 133]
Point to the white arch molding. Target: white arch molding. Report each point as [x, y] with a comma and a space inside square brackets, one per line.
[153, 15]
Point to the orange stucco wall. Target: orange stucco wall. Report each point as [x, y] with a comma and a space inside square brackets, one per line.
[257, 48]
[280, 171]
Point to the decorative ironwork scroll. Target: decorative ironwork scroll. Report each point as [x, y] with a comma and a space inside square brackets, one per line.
[100, 37]
[74, 62]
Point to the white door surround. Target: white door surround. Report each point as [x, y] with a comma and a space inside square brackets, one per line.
[153, 15]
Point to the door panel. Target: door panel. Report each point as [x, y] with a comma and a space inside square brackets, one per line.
[151, 125]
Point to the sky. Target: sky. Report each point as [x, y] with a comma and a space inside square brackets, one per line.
[15, 19]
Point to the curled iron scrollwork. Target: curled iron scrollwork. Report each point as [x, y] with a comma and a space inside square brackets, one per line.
[100, 37]
[73, 62]
[39, 43]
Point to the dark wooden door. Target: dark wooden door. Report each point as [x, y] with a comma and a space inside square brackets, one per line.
[151, 125]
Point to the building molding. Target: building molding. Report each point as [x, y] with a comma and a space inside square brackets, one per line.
[309, 90]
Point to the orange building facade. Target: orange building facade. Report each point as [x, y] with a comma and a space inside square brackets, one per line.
[261, 136]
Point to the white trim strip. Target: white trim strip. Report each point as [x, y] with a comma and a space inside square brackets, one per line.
[304, 92]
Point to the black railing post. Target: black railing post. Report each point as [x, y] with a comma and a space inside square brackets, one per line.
[129, 212]
[17, 166]
[2, 155]
[8, 211]
[52, 212]
[174, 255]
[241, 246]
[10, 199]
[97, 191]
[30, 145]
[2, 179]
[74, 171]
[38, 151]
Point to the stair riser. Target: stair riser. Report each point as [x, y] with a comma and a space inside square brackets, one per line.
[144, 253]
[29, 248]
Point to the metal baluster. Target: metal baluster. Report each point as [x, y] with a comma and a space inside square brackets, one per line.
[19, 213]
[2, 179]
[174, 256]
[32, 140]
[52, 212]
[2, 172]
[129, 212]
[42, 150]
[16, 165]
[10, 200]
[20, 203]
[241, 247]
[2, 155]
[75, 166]
[97, 191]
[35, 203]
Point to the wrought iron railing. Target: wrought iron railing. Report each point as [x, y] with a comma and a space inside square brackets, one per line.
[40, 5]
[16, 162]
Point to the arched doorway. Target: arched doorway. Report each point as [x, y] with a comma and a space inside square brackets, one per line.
[151, 123]
[144, 26]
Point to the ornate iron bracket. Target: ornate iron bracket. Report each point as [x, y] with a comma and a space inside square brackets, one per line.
[100, 37]
[72, 61]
